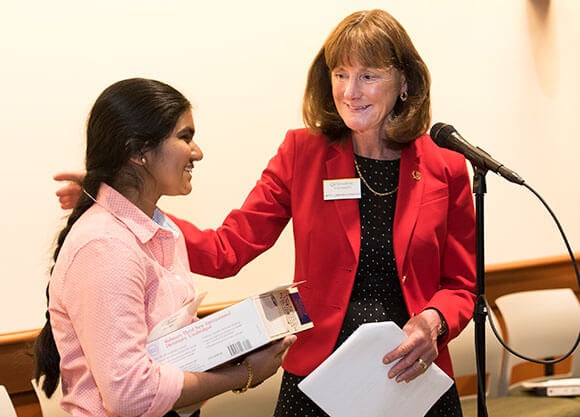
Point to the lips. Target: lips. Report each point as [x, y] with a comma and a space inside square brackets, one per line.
[358, 108]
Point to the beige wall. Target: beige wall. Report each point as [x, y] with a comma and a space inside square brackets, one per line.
[505, 74]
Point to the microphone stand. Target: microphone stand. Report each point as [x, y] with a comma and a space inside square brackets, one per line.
[480, 311]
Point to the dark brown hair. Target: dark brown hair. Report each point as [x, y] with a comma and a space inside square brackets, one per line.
[128, 118]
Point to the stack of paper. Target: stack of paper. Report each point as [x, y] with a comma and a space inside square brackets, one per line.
[564, 387]
[353, 380]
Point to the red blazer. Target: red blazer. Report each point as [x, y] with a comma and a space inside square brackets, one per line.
[434, 236]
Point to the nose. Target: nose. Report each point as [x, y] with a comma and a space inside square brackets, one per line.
[352, 88]
[196, 152]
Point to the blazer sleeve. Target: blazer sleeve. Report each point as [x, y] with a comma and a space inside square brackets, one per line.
[455, 298]
[250, 230]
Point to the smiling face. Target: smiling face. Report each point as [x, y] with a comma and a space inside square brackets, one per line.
[170, 165]
[365, 97]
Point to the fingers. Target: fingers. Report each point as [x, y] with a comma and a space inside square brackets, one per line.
[67, 190]
[267, 361]
[417, 368]
[423, 364]
[275, 351]
[280, 348]
[68, 195]
[415, 354]
[287, 342]
[410, 367]
[75, 176]
[66, 203]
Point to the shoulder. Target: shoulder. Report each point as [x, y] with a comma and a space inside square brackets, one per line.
[305, 135]
[432, 154]
[99, 222]
[307, 140]
[438, 165]
[97, 231]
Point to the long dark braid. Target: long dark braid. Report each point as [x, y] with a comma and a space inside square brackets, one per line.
[128, 119]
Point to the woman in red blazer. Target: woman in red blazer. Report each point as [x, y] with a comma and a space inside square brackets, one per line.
[396, 243]
[383, 219]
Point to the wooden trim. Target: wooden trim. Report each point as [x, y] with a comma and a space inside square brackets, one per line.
[207, 309]
[536, 274]
[18, 337]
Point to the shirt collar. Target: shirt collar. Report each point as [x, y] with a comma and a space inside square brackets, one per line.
[141, 225]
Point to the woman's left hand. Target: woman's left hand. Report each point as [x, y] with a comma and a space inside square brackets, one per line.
[418, 351]
[69, 193]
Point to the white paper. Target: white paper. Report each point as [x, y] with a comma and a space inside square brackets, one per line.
[177, 320]
[353, 380]
[561, 382]
[563, 387]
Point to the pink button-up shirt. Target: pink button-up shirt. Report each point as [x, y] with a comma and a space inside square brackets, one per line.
[117, 275]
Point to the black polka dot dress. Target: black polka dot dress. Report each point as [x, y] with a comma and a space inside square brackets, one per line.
[376, 294]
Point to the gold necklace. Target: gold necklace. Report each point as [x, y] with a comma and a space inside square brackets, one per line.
[369, 187]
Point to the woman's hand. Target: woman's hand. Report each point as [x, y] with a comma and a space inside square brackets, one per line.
[69, 194]
[265, 362]
[418, 351]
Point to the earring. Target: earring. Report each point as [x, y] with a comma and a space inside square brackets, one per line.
[143, 160]
[403, 96]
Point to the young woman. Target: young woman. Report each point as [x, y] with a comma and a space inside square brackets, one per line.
[121, 266]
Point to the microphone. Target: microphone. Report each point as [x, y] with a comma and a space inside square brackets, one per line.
[446, 136]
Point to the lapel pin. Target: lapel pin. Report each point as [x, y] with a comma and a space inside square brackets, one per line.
[416, 175]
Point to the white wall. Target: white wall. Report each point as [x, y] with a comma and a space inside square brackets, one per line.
[503, 74]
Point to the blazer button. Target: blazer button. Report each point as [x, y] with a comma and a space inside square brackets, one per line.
[404, 278]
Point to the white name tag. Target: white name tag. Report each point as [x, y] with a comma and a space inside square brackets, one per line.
[341, 189]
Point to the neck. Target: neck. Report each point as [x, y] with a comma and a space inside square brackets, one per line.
[140, 199]
[373, 147]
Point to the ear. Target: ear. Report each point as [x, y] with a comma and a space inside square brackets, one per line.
[138, 160]
[404, 86]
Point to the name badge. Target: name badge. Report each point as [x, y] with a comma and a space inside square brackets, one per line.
[341, 189]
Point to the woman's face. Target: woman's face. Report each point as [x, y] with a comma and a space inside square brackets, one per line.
[365, 97]
[170, 165]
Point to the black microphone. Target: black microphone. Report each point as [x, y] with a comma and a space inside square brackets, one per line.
[446, 136]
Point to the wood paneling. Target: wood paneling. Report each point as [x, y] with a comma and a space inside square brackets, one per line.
[16, 370]
[554, 272]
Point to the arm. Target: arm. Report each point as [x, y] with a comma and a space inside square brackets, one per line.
[244, 234]
[455, 299]
[446, 310]
[250, 230]
[105, 301]
[201, 386]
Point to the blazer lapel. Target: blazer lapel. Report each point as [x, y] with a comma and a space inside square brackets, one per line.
[411, 186]
[340, 165]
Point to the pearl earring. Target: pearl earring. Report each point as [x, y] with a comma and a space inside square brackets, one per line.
[143, 160]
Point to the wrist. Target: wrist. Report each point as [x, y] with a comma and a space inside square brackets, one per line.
[249, 381]
[442, 328]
